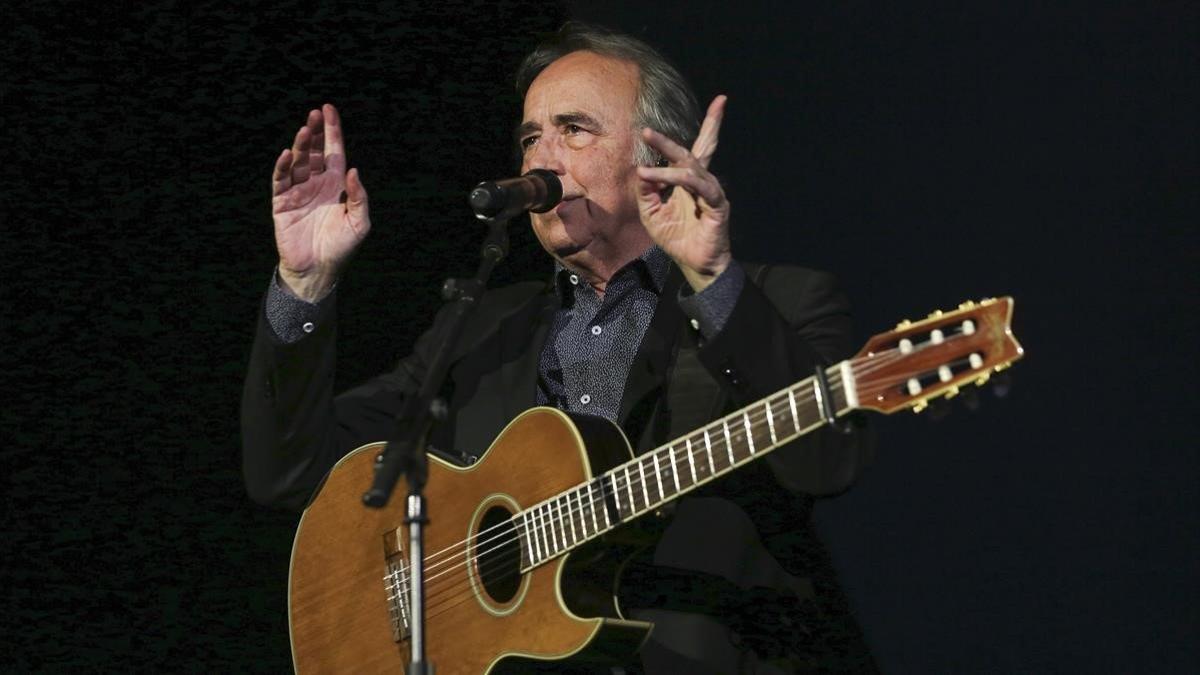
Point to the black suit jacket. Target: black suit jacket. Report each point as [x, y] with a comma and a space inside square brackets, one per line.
[748, 532]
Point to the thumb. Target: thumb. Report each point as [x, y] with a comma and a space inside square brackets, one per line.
[649, 193]
[356, 194]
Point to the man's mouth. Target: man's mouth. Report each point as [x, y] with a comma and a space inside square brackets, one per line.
[563, 205]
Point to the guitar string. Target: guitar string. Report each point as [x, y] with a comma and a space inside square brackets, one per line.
[806, 396]
[803, 398]
[543, 502]
[552, 524]
[558, 516]
[550, 520]
[503, 559]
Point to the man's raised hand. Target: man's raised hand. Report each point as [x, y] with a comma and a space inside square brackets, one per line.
[316, 230]
[692, 224]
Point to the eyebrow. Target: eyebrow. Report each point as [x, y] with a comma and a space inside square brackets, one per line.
[573, 117]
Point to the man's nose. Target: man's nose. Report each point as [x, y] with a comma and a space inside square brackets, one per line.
[547, 154]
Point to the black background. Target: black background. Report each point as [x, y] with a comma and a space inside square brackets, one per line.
[926, 153]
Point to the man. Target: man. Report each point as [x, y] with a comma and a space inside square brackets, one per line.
[650, 322]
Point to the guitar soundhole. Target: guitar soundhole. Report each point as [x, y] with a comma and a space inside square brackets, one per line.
[498, 555]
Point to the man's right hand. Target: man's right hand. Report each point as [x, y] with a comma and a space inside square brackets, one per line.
[315, 230]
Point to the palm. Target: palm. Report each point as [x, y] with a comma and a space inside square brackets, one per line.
[316, 227]
[687, 228]
[312, 225]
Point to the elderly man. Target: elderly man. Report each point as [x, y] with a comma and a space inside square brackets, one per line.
[649, 321]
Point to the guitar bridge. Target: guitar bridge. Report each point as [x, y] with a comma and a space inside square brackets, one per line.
[396, 586]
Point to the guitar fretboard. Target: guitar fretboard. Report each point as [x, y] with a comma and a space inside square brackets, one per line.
[648, 481]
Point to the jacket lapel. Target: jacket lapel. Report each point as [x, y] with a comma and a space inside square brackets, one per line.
[650, 365]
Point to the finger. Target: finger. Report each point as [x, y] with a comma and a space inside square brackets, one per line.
[300, 149]
[316, 155]
[706, 141]
[356, 198]
[281, 177]
[334, 150]
[697, 181]
[675, 153]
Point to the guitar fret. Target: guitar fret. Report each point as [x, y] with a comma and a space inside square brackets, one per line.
[691, 464]
[575, 509]
[537, 535]
[642, 473]
[548, 524]
[749, 432]
[712, 469]
[571, 520]
[658, 477]
[582, 514]
[555, 534]
[795, 415]
[604, 501]
[771, 423]
[728, 443]
[629, 488]
[592, 503]
[674, 469]
[528, 536]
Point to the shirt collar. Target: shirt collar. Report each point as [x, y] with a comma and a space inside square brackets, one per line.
[650, 269]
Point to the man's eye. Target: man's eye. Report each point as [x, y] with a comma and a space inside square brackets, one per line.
[573, 129]
[528, 142]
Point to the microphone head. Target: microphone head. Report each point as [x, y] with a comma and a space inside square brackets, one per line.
[488, 199]
[538, 191]
[553, 190]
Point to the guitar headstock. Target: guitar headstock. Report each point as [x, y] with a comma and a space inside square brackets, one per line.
[920, 360]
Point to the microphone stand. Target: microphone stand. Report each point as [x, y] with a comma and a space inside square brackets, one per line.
[405, 450]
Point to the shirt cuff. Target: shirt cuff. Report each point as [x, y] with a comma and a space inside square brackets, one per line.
[710, 308]
[289, 317]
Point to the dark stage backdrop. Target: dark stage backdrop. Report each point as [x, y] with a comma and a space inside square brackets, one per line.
[925, 153]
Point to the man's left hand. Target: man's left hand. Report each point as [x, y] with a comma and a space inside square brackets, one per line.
[691, 224]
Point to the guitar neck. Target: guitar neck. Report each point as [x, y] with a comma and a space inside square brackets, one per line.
[645, 483]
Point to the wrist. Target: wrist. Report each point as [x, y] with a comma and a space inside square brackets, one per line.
[310, 286]
[701, 278]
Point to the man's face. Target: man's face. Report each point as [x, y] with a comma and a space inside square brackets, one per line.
[578, 123]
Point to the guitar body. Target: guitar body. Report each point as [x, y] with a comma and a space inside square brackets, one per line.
[482, 617]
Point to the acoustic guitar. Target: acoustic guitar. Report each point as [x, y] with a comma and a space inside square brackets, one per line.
[519, 551]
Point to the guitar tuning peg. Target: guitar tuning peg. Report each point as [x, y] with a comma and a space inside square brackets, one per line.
[1001, 366]
[969, 304]
[921, 405]
[935, 313]
[951, 393]
[903, 324]
[982, 379]
[987, 301]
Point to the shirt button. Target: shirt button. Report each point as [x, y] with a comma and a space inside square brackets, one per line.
[308, 327]
[585, 399]
[596, 330]
[574, 279]
[695, 324]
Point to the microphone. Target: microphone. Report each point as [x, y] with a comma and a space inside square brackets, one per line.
[538, 191]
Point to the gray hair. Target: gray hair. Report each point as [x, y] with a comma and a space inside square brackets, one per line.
[665, 102]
